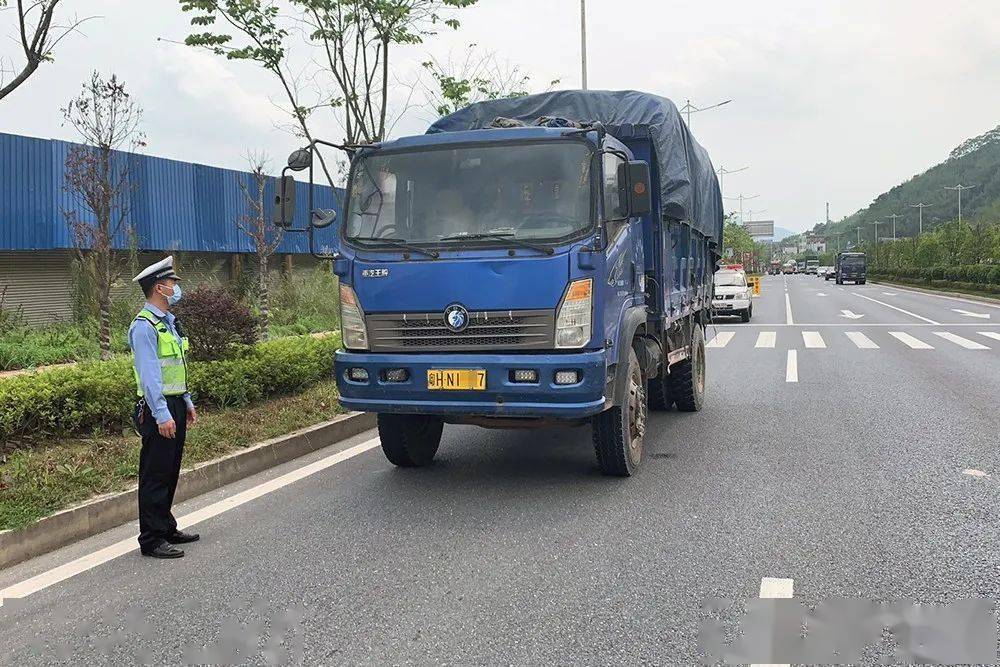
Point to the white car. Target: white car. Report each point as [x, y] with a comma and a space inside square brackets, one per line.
[731, 294]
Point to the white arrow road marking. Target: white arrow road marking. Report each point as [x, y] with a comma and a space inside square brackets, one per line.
[906, 312]
[813, 339]
[851, 314]
[721, 339]
[907, 339]
[90, 561]
[766, 339]
[958, 340]
[990, 334]
[792, 366]
[969, 313]
[861, 340]
[771, 587]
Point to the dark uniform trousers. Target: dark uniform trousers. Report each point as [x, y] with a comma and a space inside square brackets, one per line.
[159, 468]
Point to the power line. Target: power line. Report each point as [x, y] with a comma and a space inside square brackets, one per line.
[722, 171]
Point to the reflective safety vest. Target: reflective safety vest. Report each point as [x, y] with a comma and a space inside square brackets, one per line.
[172, 357]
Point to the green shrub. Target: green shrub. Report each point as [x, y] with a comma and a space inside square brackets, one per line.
[215, 322]
[25, 348]
[100, 395]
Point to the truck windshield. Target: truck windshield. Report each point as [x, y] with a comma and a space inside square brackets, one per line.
[852, 260]
[491, 194]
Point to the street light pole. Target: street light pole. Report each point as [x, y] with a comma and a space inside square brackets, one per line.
[583, 41]
[921, 206]
[723, 171]
[741, 197]
[689, 108]
[894, 216]
[960, 187]
[859, 235]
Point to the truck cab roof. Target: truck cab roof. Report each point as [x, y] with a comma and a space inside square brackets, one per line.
[489, 135]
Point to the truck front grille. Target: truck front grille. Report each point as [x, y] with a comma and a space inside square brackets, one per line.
[490, 330]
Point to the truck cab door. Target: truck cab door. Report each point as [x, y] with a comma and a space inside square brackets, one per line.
[624, 275]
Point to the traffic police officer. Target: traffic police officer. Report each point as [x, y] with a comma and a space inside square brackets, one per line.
[164, 409]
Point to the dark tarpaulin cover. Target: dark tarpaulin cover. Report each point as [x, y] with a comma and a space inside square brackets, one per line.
[689, 189]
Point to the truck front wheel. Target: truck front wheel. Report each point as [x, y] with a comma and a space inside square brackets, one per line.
[687, 378]
[409, 441]
[619, 431]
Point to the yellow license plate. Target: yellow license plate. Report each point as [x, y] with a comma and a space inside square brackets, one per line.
[458, 380]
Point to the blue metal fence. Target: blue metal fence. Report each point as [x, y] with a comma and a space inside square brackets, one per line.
[174, 205]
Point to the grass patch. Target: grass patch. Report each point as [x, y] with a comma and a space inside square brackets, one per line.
[50, 475]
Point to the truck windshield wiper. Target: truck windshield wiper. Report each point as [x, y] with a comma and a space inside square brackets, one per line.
[402, 243]
[500, 235]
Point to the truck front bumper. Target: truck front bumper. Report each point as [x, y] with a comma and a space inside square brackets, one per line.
[502, 397]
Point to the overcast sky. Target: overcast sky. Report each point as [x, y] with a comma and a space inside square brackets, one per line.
[833, 100]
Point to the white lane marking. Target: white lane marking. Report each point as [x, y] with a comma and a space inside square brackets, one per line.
[792, 366]
[721, 339]
[973, 472]
[913, 342]
[969, 313]
[813, 339]
[851, 315]
[771, 587]
[990, 334]
[90, 561]
[820, 294]
[766, 339]
[788, 311]
[958, 340]
[889, 305]
[861, 340]
[949, 297]
[889, 293]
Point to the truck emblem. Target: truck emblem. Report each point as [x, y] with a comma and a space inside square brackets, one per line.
[456, 317]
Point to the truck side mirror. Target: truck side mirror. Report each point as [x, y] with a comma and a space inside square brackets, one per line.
[323, 217]
[640, 196]
[284, 203]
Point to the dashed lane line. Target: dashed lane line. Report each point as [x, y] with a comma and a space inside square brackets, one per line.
[990, 334]
[912, 341]
[862, 341]
[771, 587]
[906, 312]
[792, 366]
[958, 340]
[788, 310]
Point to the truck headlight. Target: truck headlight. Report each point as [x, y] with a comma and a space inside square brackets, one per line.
[574, 317]
[352, 320]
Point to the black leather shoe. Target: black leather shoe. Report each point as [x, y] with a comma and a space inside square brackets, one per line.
[163, 550]
[180, 537]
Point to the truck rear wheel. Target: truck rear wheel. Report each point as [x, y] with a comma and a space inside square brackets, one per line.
[409, 441]
[687, 378]
[619, 432]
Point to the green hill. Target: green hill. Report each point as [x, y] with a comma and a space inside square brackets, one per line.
[975, 162]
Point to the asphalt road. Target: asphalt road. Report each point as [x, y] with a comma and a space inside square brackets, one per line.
[847, 479]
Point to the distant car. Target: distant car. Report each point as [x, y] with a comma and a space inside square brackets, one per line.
[731, 294]
[824, 272]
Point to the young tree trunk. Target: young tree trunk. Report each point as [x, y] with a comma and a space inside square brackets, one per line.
[104, 303]
[265, 312]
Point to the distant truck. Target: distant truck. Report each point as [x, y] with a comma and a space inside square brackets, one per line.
[800, 267]
[811, 266]
[528, 262]
[851, 266]
[775, 267]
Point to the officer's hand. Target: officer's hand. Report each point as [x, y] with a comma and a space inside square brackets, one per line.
[192, 415]
[168, 429]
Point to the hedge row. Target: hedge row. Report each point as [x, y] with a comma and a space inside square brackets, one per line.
[100, 395]
[974, 288]
[979, 274]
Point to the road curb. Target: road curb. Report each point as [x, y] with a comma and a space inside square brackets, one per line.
[105, 512]
[925, 290]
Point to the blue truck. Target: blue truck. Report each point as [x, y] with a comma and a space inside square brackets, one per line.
[528, 262]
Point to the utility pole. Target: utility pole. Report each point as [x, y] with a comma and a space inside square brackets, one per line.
[894, 216]
[689, 108]
[828, 213]
[741, 197]
[921, 206]
[859, 235]
[723, 171]
[583, 41]
[751, 212]
[960, 187]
